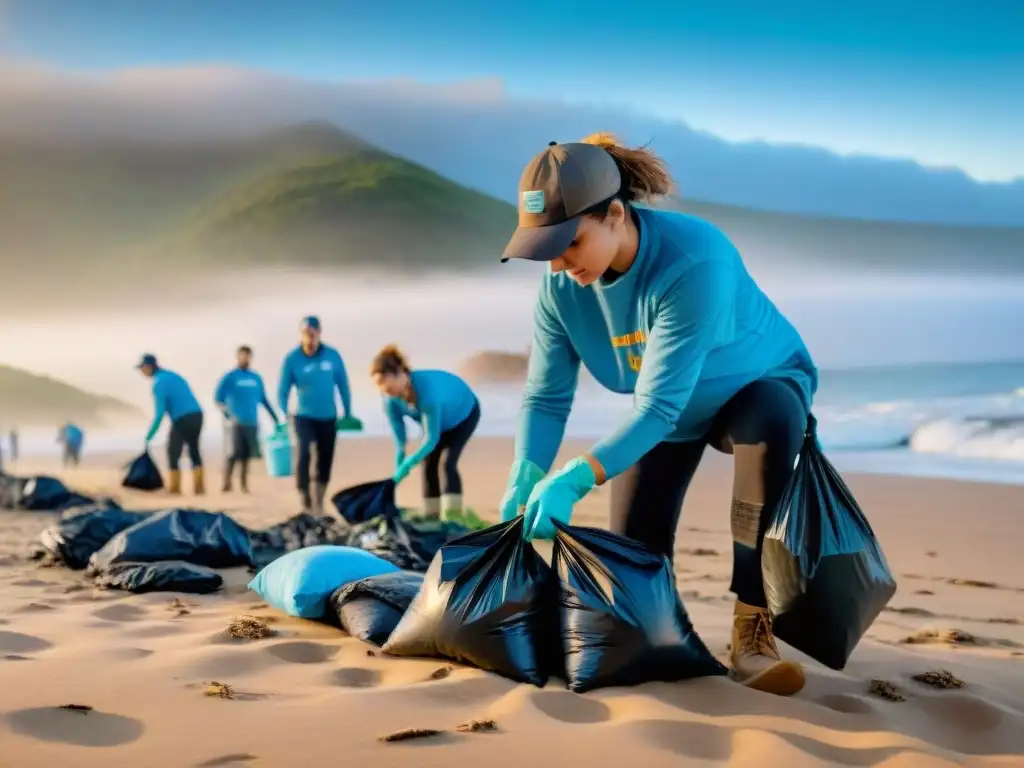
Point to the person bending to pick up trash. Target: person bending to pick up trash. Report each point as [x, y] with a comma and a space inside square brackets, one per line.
[448, 411]
[659, 305]
[173, 396]
[239, 395]
[316, 371]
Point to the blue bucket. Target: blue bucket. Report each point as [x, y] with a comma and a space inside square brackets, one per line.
[279, 455]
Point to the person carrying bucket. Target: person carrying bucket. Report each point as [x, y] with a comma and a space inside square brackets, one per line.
[172, 396]
[316, 371]
[659, 305]
[239, 395]
[448, 411]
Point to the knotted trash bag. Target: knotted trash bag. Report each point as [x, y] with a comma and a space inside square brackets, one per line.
[77, 537]
[370, 609]
[825, 576]
[142, 474]
[366, 501]
[163, 576]
[622, 621]
[486, 600]
[43, 493]
[202, 538]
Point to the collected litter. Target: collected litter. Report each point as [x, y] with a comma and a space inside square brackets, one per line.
[142, 474]
[162, 576]
[825, 575]
[622, 621]
[370, 609]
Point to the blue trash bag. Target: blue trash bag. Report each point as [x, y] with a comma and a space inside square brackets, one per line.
[301, 582]
[487, 600]
[621, 619]
[196, 536]
[825, 575]
[366, 501]
[75, 539]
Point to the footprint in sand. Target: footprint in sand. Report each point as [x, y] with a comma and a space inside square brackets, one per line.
[30, 583]
[34, 608]
[15, 657]
[16, 642]
[302, 652]
[696, 741]
[121, 612]
[568, 707]
[836, 755]
[356, 677]
[847, 703]
[962, 711]
[84, 729]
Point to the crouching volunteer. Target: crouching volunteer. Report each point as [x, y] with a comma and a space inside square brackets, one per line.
[448, 411]
[659, 305]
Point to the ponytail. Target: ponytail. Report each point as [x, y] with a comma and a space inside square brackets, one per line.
[644, 174]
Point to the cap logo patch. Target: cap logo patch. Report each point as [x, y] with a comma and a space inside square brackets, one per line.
[533, 201]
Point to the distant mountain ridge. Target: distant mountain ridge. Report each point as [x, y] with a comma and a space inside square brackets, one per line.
[30, 399]
[480, 136]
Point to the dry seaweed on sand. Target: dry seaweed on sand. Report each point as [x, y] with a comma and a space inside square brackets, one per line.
[951, 636]
[220, 690]
[179, 606]
[440, 673]
[940, 678]
[407, 734]
[477, 726]
[973, 583]
[249, 628]
[886, 690]
[82, 708]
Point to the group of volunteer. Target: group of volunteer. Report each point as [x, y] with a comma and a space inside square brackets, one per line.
[655, 304]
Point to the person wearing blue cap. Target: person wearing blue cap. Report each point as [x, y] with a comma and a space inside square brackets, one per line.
[70, 437]
[172, 397]
[316, 371]
[239, 395]
[447, 410]
[659, 305]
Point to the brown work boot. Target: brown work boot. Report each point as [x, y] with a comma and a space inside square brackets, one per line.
[198, 486]
[755, 658]
[174, 481]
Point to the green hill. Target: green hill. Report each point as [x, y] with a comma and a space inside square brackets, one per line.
[29, 399]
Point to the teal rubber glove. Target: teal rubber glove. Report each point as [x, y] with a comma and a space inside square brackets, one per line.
[399, 458]
[403, 471]
[521, 480]
[553, 498]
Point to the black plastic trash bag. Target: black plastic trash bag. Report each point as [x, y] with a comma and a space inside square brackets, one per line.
[164, 576]
[301, 530]
[48, 494]
[409, 545]
[75, 538]
[486, 600]
[621, 619]
[364, 502]
[142, 474]
[370, 609]
[202, 538]
[825, 576]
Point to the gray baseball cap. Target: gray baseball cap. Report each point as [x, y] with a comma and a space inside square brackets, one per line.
[559, 185]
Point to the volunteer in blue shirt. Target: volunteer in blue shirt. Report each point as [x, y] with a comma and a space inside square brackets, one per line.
[239, 395]
[316, 371]
[71, 437]
[448, 412]
[172, 396]
[658, 305]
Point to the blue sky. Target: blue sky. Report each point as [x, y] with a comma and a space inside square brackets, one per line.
[936, 81]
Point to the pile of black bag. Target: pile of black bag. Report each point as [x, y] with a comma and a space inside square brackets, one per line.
[39, 493]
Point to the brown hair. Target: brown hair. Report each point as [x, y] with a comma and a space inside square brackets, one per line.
[644, 174]
[389, 361]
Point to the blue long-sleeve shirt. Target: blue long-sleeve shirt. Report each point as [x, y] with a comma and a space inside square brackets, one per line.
[443, 401]
[172, 396]
[683, 330]
[316, 377]
[241, 392]
[71, 436]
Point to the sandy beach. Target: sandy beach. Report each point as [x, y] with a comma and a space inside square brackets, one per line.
[312, 696]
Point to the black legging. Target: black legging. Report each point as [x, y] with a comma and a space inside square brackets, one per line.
[314, 436]
[185, 433]
[451, 444]
[763, 427]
